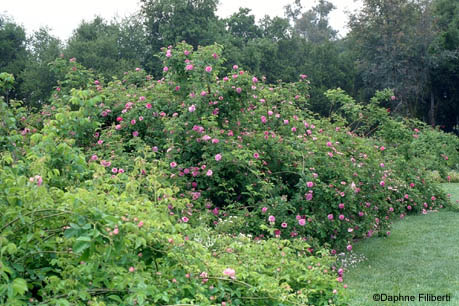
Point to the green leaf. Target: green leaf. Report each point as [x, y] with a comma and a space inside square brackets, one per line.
[80, 246]
[115, 298]
[140, 241]
[19, 286]
[62, 302]
[84, 238]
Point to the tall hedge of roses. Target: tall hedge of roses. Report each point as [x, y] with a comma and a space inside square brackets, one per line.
[236, 146]
[104, 224]
[205, 186]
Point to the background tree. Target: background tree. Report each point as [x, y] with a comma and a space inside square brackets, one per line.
[13, 52]
[106, 47]
[133, 41]
[313, 24]
[170, 21]
[444, 106]
[391, 39]
[38, 79]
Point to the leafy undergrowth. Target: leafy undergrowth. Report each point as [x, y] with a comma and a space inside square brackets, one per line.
[429, 243]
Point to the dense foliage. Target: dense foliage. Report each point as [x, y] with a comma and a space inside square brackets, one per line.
[410, 46]
[200, 187]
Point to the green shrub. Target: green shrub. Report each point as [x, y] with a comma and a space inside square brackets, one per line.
[161, 191]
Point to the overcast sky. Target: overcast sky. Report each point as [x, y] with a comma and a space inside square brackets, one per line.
[64, 16]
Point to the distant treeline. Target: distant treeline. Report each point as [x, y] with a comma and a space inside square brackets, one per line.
[410, 46]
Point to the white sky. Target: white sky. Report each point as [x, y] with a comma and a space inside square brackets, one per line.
[64, 16]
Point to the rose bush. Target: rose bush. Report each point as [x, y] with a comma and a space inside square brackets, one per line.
[234, 146]
[81, 223]
[206, 186]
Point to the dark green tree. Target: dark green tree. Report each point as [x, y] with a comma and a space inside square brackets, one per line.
[170, 21]
[13, 52]
[444, 105]
[106, 47]
[240, 40]
[242, 26]
[38, 79]
[391, 39]
[133, 40]
[276, 28]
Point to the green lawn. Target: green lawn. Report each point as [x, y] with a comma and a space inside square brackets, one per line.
[453, 189]
[420, 256]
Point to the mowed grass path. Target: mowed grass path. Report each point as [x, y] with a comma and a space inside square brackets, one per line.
[420, 256]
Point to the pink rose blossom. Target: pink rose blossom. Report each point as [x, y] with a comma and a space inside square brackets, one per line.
[229, 272]
[105, 163]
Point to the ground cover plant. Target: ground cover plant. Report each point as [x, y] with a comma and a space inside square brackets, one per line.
[203, 187]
